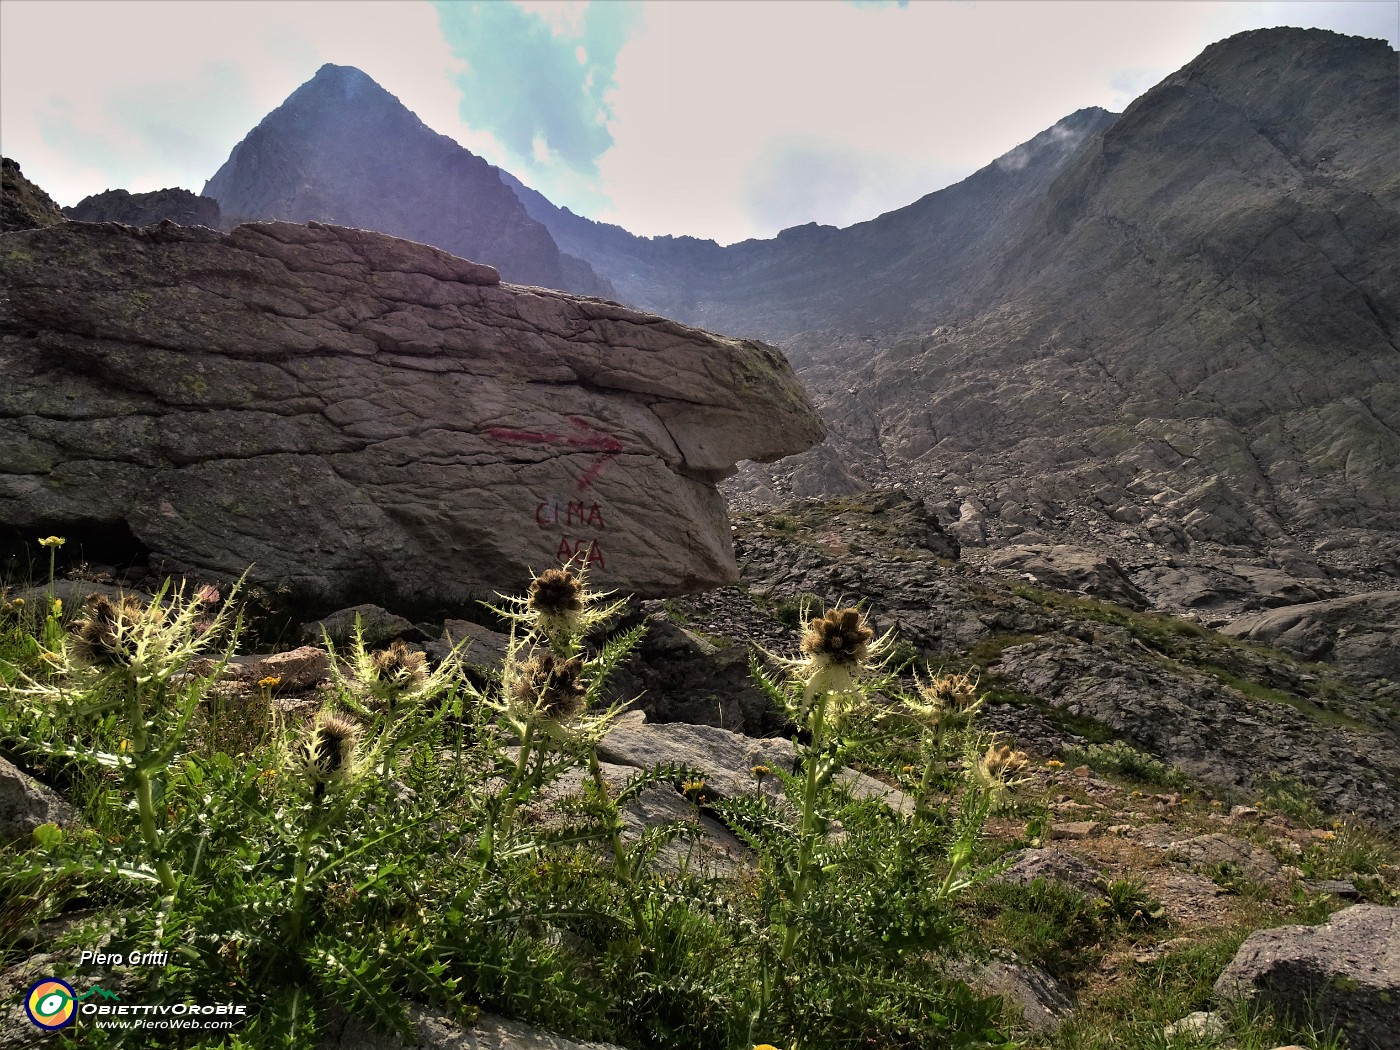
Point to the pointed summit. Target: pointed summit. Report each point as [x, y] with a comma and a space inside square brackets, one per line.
[343, 150]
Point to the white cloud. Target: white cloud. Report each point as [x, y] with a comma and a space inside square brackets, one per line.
[728, 120]
[915, 97]
[155, 94]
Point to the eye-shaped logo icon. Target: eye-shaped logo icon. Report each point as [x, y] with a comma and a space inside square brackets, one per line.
[50, 1004]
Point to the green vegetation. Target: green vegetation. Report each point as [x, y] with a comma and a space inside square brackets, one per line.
[1123, 760]
[420, 837]
[424, 837]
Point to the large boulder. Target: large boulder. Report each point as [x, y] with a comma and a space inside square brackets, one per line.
[1347, 970]
[1360, 632]
[361, 417]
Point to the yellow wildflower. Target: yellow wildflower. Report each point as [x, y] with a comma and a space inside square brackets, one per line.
[52, 541]
[1055, 763]
[272, 681]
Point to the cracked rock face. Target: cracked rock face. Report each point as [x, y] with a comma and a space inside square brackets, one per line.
[360, 417]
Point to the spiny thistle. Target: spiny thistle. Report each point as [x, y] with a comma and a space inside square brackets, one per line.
[400, 667]
[326, 753]
[947, 702]
[106, 635]
[560, 607]
[548, 687]
[395, 680]
[999, 770]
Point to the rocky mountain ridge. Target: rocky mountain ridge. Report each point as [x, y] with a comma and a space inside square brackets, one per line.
[146, 209]
[1186, 358]
[344, 151]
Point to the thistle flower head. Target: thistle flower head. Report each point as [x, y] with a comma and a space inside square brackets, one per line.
[1000, 770]
[1003, 763]
[107, 633]
[840, 636]
[948, 702]
[559, 607]
[548, 687]
[400, 667]
[325, 753]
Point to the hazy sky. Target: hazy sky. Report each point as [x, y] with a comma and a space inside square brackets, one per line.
[718, 119]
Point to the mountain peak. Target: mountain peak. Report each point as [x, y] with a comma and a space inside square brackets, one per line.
[343, 150]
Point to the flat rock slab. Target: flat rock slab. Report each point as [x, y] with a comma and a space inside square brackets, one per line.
[1043, 1004]
[1211, 851]
[436, 1031]
[351, 414]
[727, 759]
[1054, 866]
[1359, 631]
[377, 626]
[1348, 968]
[714, 851]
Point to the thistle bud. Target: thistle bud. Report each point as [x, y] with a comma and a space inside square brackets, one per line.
[556, 599]
[325, 754]
[104, 635]
[400, 667]
[549, 687]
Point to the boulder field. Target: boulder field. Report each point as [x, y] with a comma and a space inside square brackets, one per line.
[349, 413]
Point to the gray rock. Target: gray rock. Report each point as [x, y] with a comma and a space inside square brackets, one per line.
[1348, 970]
[25, 804]
[297, 669]
[377, 626]
[727, 759]
[1071, 569]
[1030, 989]
[146, 209]
[1360, 632]
[1212, 851]
[713, 852]
[73, 594]
[480, 646]
[1202, 1024]
[357, 415]
[23, 205]
[434, 1030]
[1055, 866]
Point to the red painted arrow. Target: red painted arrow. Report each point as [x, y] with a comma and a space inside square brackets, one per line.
[587, 438]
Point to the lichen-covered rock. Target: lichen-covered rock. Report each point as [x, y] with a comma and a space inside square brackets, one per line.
[1348, 970]
[357, 416]
[1070, 569]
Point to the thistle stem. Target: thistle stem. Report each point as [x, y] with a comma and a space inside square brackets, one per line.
[806, 828]
[145, 794]
[921, 806]
[622, 865]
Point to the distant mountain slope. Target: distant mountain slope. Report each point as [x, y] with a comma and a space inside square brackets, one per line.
[343, 150]
[1193, 338]
[903, 267]
[146, 209]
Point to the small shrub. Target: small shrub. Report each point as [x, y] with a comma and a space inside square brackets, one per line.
[1124, 760]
